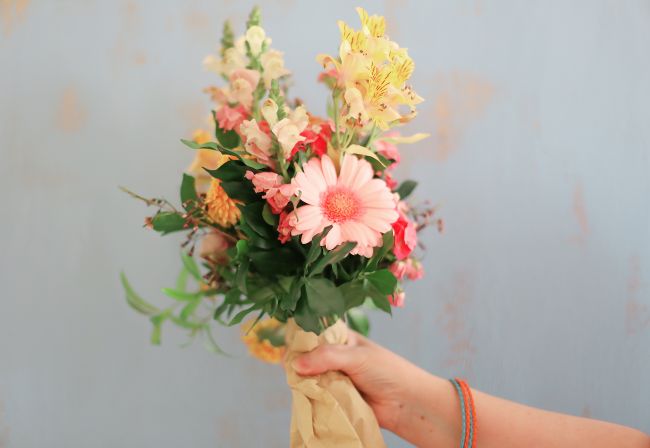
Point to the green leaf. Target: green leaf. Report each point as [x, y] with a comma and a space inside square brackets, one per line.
[354, 292]
[381, 301]
[240, 190]
[383, 280]
[186, 324]
[333, 256]
[358, 321]
[280, 261]
[380, 252]
[157, 322]
[190, 265]
[262, 295]
[211, 344]
[253, 215]
[378, 163]
[229, 171]
[290, 301]
[228, 139]
[189, 309]
[243, 313]
[168, 222]
[188, 191]
[135, 301]
[269, 217]
[181, 280]
[306, 318]
[323, 297]
[181, 295]
[315, 249]
[241, 274]
[216, 147]
[406, 188]
[241, 248]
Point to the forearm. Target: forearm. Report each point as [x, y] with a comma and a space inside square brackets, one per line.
[429, 416]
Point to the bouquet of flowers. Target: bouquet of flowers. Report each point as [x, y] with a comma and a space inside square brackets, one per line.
[298, 221]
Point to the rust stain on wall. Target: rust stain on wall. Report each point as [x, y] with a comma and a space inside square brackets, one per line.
[123, 52]
[228, 432]
[454, 325]
[459, 100]
[197, 20]
[70, 115]
[12, 12]
[637, 315]
[580, 214]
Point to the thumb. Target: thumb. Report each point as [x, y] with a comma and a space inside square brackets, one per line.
[326, 358]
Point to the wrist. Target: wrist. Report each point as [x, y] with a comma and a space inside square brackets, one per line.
[428, 413]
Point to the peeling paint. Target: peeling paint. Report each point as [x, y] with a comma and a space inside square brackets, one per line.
[12, 12]
[459, 100]
[70, 115]
[580, 214]
[454, 325]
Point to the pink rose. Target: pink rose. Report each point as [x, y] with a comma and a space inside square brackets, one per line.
[397, 299]
[405, 237]
[388, 150]
[275, 192]
[284, 227]
[410, 268]
[279, 197]
[214, 246]
[264, 181]
[230, 118]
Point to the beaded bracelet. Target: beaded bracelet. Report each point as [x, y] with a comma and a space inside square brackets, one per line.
[468, 413]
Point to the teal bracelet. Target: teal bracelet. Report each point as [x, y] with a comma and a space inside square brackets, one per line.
[462, 411]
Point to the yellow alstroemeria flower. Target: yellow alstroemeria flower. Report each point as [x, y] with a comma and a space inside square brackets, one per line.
[372, 72]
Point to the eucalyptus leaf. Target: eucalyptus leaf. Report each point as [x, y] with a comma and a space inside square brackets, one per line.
[135, 301]
[181, 295]
[190, 265]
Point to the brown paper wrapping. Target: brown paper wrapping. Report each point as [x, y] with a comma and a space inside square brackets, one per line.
[327, 409]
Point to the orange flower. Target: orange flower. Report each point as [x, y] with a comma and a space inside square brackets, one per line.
[265, 340]
[219, 207]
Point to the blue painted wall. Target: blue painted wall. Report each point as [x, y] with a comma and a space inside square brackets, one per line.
[538, 291]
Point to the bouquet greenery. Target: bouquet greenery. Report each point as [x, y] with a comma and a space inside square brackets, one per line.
[288, 215]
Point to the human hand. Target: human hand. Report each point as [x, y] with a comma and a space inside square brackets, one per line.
[383, 378]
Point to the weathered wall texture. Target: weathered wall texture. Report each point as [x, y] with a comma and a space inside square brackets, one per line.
[538, 291]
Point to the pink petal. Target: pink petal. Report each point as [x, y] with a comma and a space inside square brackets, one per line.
[329, 172]
[333, 237]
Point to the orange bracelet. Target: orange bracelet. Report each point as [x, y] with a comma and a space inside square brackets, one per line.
[470, 414]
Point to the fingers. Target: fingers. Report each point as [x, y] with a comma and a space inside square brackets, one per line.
[327, 357]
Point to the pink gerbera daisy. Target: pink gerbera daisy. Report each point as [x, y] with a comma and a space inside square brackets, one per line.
[359, 208]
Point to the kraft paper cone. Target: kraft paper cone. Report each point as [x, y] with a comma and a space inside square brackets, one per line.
[327, 409]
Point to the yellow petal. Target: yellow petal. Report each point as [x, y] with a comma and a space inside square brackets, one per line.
[398, 139]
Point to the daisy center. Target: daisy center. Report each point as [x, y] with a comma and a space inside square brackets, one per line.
[340, 205]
